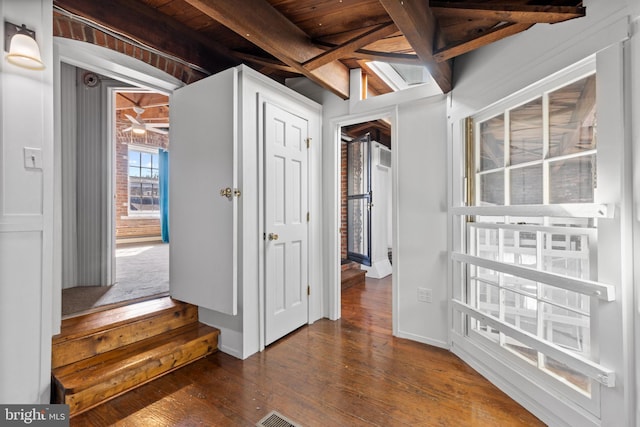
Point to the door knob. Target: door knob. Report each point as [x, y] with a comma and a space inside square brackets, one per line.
[226, 192]
[273, 236]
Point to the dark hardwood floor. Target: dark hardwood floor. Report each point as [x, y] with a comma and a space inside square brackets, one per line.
[346, 373]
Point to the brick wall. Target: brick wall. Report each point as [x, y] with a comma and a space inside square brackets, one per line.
[126, 226]
[67, 27]
[64, 26]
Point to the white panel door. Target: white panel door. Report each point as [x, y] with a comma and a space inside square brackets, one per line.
[286, 228]
[203, 222]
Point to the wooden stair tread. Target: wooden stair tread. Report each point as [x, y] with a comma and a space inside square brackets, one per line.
[349, 265]
[94, 322]
[116, 363]
[101, 355]
[352, 272]
[81, 347]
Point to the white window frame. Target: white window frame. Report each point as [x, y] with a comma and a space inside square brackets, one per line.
[605, 291]
[140, 214]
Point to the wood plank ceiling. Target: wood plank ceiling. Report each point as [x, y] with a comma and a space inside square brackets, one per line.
[321, 39]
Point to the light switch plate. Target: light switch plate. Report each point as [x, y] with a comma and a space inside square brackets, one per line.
[32, 158]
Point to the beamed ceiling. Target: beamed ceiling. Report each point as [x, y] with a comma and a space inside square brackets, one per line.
[321, 39]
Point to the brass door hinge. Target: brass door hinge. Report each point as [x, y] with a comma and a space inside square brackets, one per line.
[308, 290]
[308, 217]
[309, 142]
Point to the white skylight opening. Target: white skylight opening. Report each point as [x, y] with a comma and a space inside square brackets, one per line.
[401, 76]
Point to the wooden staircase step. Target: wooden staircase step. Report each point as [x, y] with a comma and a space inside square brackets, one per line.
[89, 382]
[352, 277]
[101, 320]
[348, 265]
[93, 334]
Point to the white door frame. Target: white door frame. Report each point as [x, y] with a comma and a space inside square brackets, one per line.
[333, 224]
[110, 64]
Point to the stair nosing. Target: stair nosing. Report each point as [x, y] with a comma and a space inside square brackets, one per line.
[66, 337]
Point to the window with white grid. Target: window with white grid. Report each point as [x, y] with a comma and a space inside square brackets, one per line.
[531, 242]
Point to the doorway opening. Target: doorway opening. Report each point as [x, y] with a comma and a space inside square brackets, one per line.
[114, 160]
[365, 210]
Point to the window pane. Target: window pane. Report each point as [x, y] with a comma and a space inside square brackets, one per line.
[149, 191]
[569, 299]
[561, 370]
[567, 329]
[520, 248]
[412, 74]
[154, 161]
[522, 350]
[358, 168]
[525, 125]
[357, 228]
[487, 243]
[145, 159]
[135, 196]
[518, 283]
[567, 254]
[487, 331]
[521, 311]
[146, 173]
[134, 158]
[488, 299]
[526, 185]
[492, 143]
[572, 118]
[572, 180]
[134, 171]
[492, 188]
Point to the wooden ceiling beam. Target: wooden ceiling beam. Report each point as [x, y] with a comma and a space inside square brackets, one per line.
[394, 58]
[264, 26]
[377, 33]
[154, 29]
[374, 55]
[521, 13]
[493, 35]
[272, 64]
[416, 21]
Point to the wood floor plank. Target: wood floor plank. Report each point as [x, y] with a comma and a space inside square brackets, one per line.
[350, 372]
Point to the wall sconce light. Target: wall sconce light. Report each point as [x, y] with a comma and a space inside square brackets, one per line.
[22, 47]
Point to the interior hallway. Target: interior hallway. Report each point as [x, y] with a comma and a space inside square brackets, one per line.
[351, 372]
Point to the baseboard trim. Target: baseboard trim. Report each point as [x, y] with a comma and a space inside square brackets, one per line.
[423, 340]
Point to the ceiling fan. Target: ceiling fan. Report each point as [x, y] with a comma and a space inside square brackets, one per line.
[140, 127]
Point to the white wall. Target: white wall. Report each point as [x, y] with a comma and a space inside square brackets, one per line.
[421, 208]
[503, 68]
[26, 214]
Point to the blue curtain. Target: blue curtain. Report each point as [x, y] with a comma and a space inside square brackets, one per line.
[164, 194]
